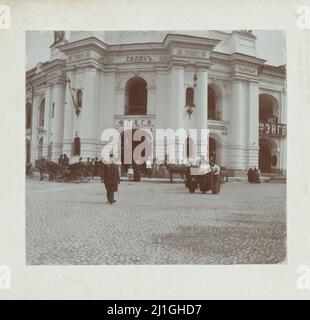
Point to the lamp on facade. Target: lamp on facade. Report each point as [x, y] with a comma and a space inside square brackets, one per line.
[190, 105]
[195, 79]
[77, 106]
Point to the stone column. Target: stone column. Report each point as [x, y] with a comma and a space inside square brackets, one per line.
[107, 105]
[201, 110]
[89, 119]
[162, 118]
[58, 121]
[69, 113]
[253, 128]
[150, 100]
[47, 120]
[177, 103]
[34, 128]
[177, 97]
[238, 128]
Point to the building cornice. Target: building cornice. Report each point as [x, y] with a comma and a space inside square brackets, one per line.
[279, 71]
[44, 68]
[241, 58]
[80, 45]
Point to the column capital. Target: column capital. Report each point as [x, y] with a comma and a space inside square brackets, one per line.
[90, 69]
[202, 69]
[253, 82]
[177, 67]
[57, 82]
[49, 85]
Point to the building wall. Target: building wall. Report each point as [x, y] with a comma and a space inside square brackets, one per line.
[237, 86]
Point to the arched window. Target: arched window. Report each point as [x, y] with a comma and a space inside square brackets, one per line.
[136, 96]
[189, 97]
[212, 115]
[77, 146]
[190, 148]
[28, 115]
[267, 107]
[41, 113]
[79, 98]
[215, 102]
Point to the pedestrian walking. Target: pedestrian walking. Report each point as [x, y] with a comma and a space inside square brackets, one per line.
[148, 164]
[66, 161]
[61, 160]
[130, 173]
[110, 177]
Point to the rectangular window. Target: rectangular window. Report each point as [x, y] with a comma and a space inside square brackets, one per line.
[53, 110]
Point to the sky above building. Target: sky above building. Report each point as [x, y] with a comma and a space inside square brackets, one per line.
[270, 45]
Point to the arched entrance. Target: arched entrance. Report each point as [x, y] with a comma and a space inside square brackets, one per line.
[212, 149]
[268, 155]
[128, 145]
[264, 157]
[136, 96]
[215, 148]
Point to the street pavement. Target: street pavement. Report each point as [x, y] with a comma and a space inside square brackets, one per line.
[154, 222]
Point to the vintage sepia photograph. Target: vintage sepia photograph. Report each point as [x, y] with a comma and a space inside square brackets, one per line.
[156, 147]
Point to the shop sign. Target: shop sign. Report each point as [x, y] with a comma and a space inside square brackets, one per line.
[272, 129]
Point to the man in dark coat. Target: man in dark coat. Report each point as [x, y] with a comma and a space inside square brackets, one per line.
[66, 161]
[110, 178]
[250, 175]
[60, 160]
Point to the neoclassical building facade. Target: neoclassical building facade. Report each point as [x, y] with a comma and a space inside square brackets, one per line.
[202, 79]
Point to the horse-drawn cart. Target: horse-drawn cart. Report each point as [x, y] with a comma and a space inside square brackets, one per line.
[205, 181]
[77, 172]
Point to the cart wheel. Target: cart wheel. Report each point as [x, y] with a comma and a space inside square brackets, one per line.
[77, 177]
[192, 187]
[86, 179]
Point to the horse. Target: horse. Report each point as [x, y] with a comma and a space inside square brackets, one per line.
[180, 169]
[47, 166]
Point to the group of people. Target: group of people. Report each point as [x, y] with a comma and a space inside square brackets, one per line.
[134, 171]
[94, 164]
[107, 169]
[253, 175]
[63, 161]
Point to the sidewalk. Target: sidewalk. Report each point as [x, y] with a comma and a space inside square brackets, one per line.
[264, 179]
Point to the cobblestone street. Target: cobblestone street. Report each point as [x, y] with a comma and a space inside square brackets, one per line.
[154, 222]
